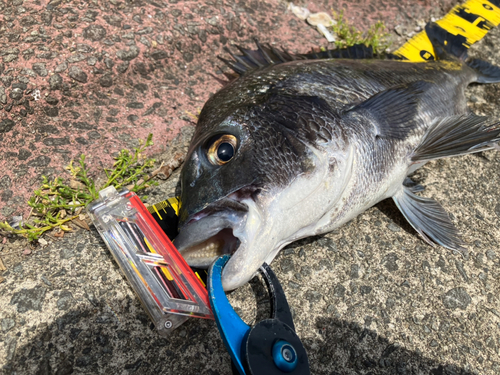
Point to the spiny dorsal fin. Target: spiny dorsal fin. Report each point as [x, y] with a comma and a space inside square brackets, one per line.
[357, 51]
[266, 55]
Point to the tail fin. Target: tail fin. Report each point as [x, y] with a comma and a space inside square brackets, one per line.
[487, 73]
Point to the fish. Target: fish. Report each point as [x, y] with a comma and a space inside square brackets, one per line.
[298, 145]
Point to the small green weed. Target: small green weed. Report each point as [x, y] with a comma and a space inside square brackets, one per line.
[57, 202]
[348, 35]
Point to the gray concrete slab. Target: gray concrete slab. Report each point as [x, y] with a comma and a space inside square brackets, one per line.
[369, 298]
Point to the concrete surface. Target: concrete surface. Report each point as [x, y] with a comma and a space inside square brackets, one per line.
[369, 298]
[94, 76]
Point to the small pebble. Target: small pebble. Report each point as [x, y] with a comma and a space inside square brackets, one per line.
[393, 227]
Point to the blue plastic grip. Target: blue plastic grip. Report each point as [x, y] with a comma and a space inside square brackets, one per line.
[234, 331]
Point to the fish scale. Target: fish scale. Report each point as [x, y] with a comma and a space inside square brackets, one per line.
[317, 142]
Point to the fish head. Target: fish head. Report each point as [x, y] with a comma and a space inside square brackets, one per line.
[224, 185]
[219, 164]
[242, 185]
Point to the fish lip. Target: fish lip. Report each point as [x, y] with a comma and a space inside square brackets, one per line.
[214, 208]
[218, 220]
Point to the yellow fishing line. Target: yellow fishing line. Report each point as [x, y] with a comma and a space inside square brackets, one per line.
[163, 269]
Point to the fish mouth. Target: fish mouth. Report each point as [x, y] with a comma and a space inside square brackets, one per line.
[237, 225]
[202, 254]
[209, 233]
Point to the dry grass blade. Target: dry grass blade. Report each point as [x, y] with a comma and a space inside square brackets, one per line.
[81, 223]
[166, 170]
[2, 266]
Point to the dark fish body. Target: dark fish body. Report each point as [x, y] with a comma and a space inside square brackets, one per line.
[299, 148]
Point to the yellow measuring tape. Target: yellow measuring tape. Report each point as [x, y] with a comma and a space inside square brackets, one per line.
[466, 24]
[166, 214]
[173, 202]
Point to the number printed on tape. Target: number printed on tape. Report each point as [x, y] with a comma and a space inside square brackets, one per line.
[466, 24]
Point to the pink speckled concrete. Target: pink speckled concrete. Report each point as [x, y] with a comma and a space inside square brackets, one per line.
[110, 72]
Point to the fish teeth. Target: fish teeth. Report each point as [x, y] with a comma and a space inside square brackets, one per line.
[207, 249]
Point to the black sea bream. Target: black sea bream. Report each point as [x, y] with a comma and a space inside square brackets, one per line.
[295, 148]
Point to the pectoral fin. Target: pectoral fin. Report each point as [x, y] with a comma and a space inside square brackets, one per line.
[393, 111]
[429, 219]
[457, 135]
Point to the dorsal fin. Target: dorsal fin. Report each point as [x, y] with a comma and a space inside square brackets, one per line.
[266, 55]
[357, 51]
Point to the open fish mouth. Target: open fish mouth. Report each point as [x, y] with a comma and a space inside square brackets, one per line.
[235, 225]
[202, 254]
[209, 233]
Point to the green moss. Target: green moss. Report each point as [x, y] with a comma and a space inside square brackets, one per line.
[57, 202]
[348, 35]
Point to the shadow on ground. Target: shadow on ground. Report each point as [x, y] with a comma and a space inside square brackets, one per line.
[96, 342]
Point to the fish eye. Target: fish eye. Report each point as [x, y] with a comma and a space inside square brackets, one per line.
[222, 149]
